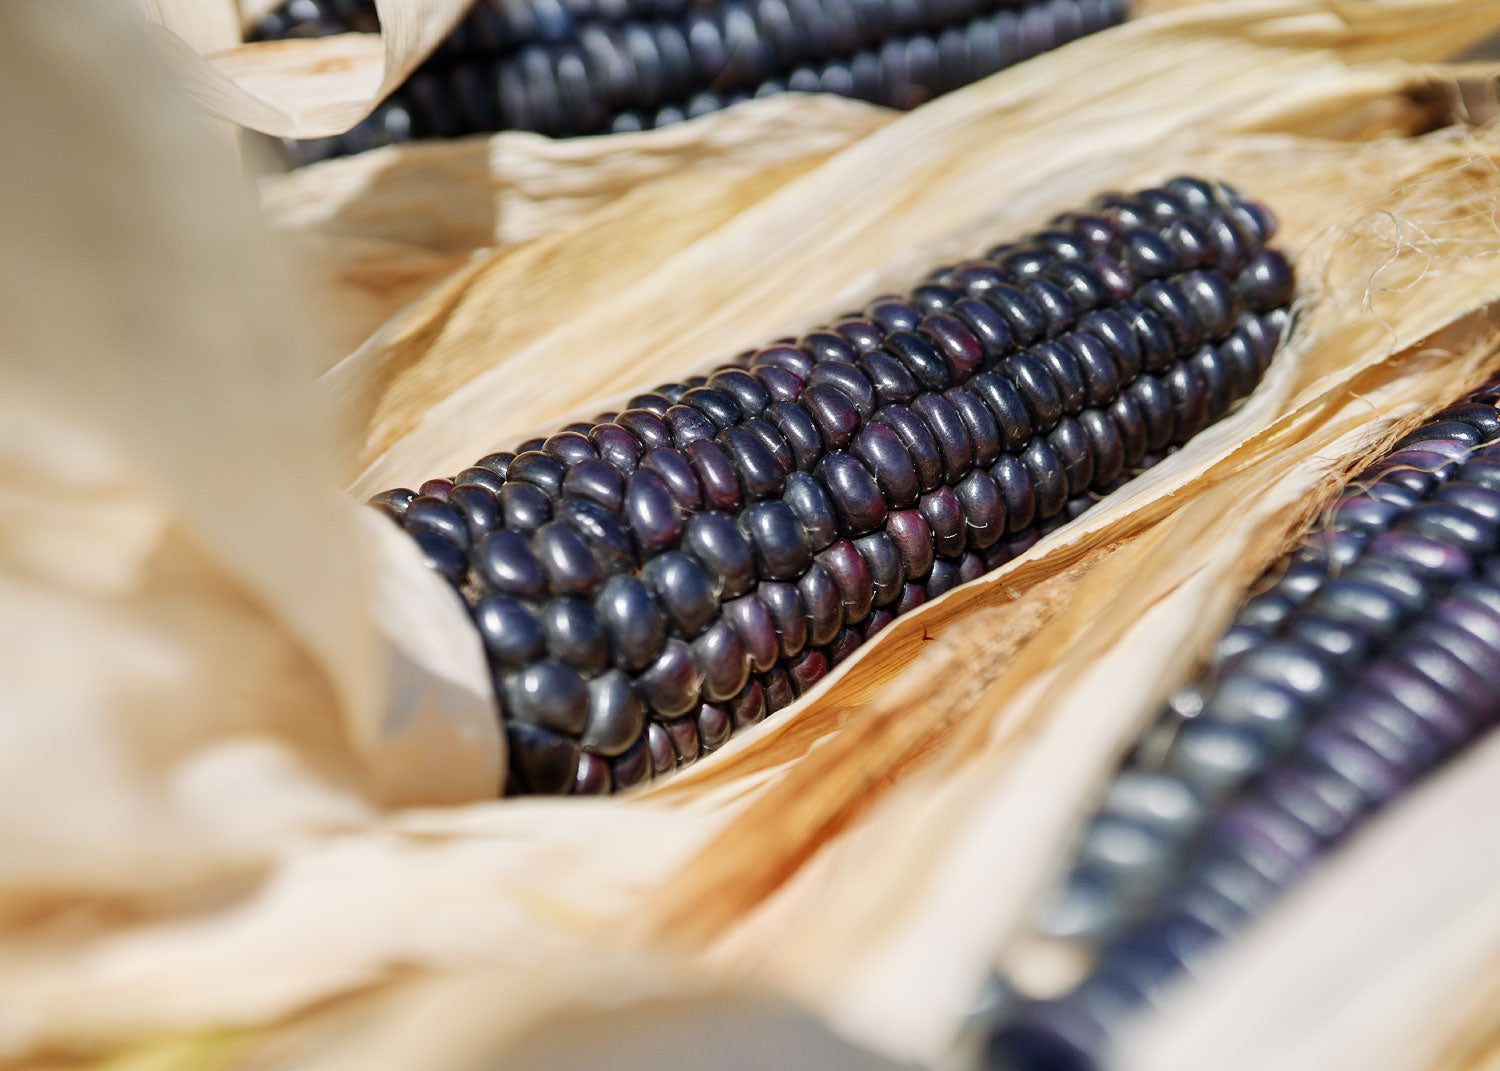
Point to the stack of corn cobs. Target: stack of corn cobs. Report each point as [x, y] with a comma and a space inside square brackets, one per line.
[568, 67]
[648, 582]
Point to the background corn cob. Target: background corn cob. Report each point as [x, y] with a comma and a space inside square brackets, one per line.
[591, 68]
[1370, 657]
[650, 581]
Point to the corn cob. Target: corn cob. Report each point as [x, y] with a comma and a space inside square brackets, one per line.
[649, 581]
[1371, 656]
[601, 67]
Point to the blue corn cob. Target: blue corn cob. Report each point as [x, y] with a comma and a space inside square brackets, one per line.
[651, 580]
[596, 66]
[1370, 658]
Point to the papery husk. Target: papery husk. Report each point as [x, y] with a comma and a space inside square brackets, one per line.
[296, 88]
[384, 227]
[190, 682]
[870, 853]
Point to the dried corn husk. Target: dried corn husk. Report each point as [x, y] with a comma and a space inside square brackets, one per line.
[867, 855]
[295, 89]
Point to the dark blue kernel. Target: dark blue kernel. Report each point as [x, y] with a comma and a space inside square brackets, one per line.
[1027, 321]
[1057, 308]
[983, 508]
[549, 694]
[1064, 369]
[1101, 377]
[934, 297]
[617, 717]
[676, 473]
[570, 566]
[1130, 423]
[1105, 445]
[944, 515]
[618, 447]
[1189, 401]
[478, 508]
[920, 444]
[722, 660]
[716, 475]
[810, 501]
[1049, 481]
[1167, 300]
[428, 514]
[851, 574]
[784, 603]
[1448, 524]
[688, 426]
[684, 589]
[396, 500]
[777, 538]
[862, 334]
[1112, 328]
[834, 415]
[893, 315]
[880, 448]
[889, 378]
[632, 768]
[525, 508]
[569, 448]
[574, 633]
[744, 388]
[659, 747]
[857, 502]
[540, 470]
[633, 621]
[719, 545]
[670, 685]
[719, 407]
[1004, 402]
[1071, 443]
[823, 604]
[988, 326]
[756, 628]
[983, 433]
[1147, 255]
[948, 431]
[442, 555]
[541, 761]
[799, 430]
[1157, 345]
[919, 357]
[827, 346]
[646, 426]
[883, 561]
[1040, 392]
[849, 381]
[475, 476]
[1218, 390]
[651, 511]
[596, 481]
[1014, 483]
[958, 346]
[943, 578]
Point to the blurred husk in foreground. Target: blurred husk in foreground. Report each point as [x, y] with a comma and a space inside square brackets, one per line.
[245, 743]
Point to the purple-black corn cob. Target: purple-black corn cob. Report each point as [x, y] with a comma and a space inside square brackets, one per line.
[597, 66]
[649, 581]
[1371, 656]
